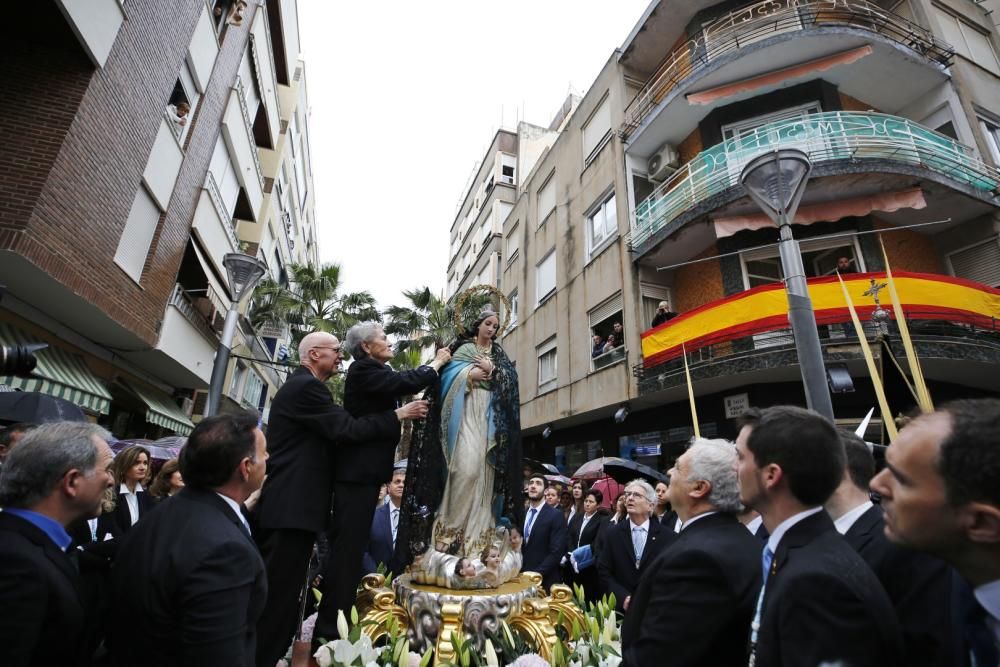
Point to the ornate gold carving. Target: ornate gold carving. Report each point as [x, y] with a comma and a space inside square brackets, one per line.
[534, 623]
[451, 622]
[376, 605]
[458, 317]
[561, 603]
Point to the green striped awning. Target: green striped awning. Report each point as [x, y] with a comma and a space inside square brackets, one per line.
[161, 410]
[59, 373]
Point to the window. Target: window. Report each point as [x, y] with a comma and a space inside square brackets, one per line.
[238, 374]
[596, 129]
[225, 178]
[508, 164]
[979, 262]
[513, 242]
[546, 199]
[991, 130]
[652, 295]
[138, 234]
[181, 105]
[545, 277]
[547, 364]
[513, 310]
[602, 225]
[603, 319]
[818, 257]
[252, 389]
[969, 41]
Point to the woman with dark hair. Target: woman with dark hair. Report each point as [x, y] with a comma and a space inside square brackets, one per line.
[472, 436]
[131, 499]
[168, 481]
[584, 530]
[579, 489]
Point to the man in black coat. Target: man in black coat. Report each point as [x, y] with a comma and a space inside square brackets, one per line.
[304, 429]
[385, 527]
[55, 476]
[360, 468]
[694, 604]
[918, 584]
[188, 580]
[820, 602]
[95, 545]
[632, 544]
[544, 532]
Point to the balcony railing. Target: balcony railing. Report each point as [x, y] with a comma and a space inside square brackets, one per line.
[185, 303]
[742, 330]
[761, 20]
[826, 137]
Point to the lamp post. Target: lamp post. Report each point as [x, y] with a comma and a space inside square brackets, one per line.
[243, 271]
[776, 181]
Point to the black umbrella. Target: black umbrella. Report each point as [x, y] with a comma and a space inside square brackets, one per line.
[37, 408]
[625, 471]
[544, 468]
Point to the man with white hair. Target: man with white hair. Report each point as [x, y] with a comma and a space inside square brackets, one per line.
[630, 546]
[304, 428]
[694, 604]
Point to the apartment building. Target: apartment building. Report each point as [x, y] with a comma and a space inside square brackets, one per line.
[896, 105]
[133, 136]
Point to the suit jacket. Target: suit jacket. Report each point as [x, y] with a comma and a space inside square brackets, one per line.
[189, 586]
[823, 603]
[121, 513]
[919, 587]
[694, 604]
[575, 538]
[616, 564]
[380, 548]
[41, 616]
[371, 388]
[546, 546]
[95, 555]
[304, 429]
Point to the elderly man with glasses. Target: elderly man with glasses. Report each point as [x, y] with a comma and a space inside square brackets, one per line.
[304, 430]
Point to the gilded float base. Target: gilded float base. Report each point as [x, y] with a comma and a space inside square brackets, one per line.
[431, 614]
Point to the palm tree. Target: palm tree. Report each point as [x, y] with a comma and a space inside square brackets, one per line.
[311, 302]
[427, 322]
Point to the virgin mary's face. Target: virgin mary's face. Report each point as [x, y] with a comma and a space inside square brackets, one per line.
[488, 327]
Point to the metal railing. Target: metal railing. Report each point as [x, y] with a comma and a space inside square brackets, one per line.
[181, 300]
[741, 27]
[220, 209]
[837, 336]
[248, 124]
[825, 137]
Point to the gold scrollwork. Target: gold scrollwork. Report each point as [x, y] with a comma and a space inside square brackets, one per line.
[561, 604]
[533, 621]
[451, 622]
[377, 605]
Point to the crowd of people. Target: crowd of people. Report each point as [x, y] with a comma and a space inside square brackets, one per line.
[783, 548]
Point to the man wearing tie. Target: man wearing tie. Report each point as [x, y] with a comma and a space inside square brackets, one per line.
[385, 526]
[544, 531]
[820, 602]
[941, 494]
[694, 604]
[630, 546]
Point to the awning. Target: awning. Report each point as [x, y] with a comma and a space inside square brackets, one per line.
[59, 373]
[161, 409]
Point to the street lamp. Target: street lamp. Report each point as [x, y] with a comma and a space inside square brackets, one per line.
[243, 271]
[776, 182]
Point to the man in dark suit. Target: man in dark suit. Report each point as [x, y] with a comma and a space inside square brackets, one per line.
[918, 585]
[941, 494]
[371, 388]
[385, 526]
[632, 544]
[304, 429]
[820, 602]
[95, 545]
[694, 604]
[544, 532]
[189, 582]
[57, 474]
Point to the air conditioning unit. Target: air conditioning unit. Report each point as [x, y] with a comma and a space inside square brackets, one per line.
[662, 163]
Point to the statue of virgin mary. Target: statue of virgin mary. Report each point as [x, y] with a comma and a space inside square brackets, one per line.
[464, 480]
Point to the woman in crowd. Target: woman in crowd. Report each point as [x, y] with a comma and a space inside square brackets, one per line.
[131, 499]
[551, 495]
[662, 511]
[168, 481]
[584, 530]
[578, 492]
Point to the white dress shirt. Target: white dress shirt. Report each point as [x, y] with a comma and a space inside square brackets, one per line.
[844, 523]
[236, 508]
[131, 499]
[754, 524]
[644, 529]
[988, 596]
[779, 532]
[695, 518]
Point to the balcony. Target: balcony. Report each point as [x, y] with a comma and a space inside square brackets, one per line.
[786, 40]
[837, 142]
[746, 337]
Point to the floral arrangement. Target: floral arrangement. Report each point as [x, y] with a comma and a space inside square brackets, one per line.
[595, 643]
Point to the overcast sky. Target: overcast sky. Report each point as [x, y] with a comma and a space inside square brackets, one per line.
[405, 98]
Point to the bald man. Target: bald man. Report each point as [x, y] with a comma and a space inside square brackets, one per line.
[305, 426]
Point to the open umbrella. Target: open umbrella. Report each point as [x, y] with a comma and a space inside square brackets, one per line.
[625, 471]
[594, 469]
[157, 451]
[37, 408]
[561, 479]
[544, 468]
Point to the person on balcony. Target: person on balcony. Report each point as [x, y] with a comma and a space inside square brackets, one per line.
[619, 333]
[663, 314]
[611, 344]
[598, 346]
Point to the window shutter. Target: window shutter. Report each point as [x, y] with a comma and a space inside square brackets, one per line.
[606, 310]
[981, 263]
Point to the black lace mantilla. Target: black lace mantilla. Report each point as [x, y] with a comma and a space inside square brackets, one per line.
[427, 469]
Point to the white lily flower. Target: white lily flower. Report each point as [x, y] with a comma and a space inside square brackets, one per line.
[344, 652]
[324, 656]
[342, 628]
[491, 655]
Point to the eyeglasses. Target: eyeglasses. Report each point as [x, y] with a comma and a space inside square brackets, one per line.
[634, 494]
[328, 347]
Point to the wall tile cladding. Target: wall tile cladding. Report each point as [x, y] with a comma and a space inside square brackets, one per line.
[73, 225]
[699, 283]
[909, 250]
